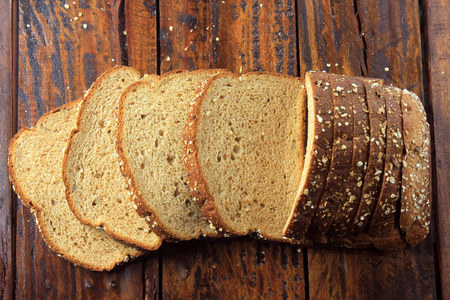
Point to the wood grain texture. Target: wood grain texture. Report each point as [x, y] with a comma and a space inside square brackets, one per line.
[232, 269]
[437, 37]
[63, 47]
[384, 41]
[140, 35]
[329, 38]
[8, 102]
[240, 36]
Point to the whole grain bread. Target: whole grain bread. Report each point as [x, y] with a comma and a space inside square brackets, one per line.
[415, 214]
[386, 213]
[35, 162]
[150, 143]
[318, 155]
[96, 191]
[341, 159]
[244, 151]
[361, 137]
[377, 152]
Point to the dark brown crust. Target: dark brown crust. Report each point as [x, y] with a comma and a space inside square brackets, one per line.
[374, 172]
[196, 179]
[384, 217]
[341, 160]
[308, 198]
[69, 198]
[139, 203]
[35, 208]
[349, 206]
[415, 213]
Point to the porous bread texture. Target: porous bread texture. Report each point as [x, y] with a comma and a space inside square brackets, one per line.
[386, 215]
[341, 159]
[377, 152]
[317, 156]
[415, 214]
[35, 161]
[245, 143]
[96, 191]
[150, 142]
[361, 137]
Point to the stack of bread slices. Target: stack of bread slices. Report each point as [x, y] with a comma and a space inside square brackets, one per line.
[330, 160]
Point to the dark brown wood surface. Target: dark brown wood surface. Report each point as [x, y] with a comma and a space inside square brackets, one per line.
[8, 92]
[64, 46]
[437, 72]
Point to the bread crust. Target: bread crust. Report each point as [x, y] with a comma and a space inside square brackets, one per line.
[341, 159]
[361, 137]
[415, 213]
[377, 152]
[314, 174]
[386, 212]
[198, 184]
[143, 209]
[108, 228]
[37, 210]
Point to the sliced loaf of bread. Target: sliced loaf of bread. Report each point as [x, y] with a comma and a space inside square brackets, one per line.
[244, 151]
[386, 213]
[415, 211]
[150, 143]
[341, 160]
[35, 161]
[319, 149]
[377, 152]
[96, 191]
[361, 137]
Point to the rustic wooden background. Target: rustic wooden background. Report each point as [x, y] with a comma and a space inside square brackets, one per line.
[53, 51]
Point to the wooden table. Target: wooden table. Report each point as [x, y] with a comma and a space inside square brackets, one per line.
[52, 52]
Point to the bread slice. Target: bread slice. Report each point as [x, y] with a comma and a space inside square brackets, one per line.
[150, 143]
[318, 155]
[341, 160]
[386, 213]
[35, 161]
[377, 152]
[244, 151]
[361, 137]
[95, 188]
[415, 214]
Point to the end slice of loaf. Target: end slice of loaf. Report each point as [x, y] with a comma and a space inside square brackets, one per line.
[35, 162]
[377, 152]
[150, 143]
[245, 143]
[386, 214]
[319, 150]
[97, 192]
[415, 214]
[341, 160]
[361, 137]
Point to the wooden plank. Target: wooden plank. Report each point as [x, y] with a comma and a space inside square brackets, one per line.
[141, 39]
[8, 100]
[437, 36]
[63, 47]
[141, 36]
[240, 36]
[384, 41]
[237, 269]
